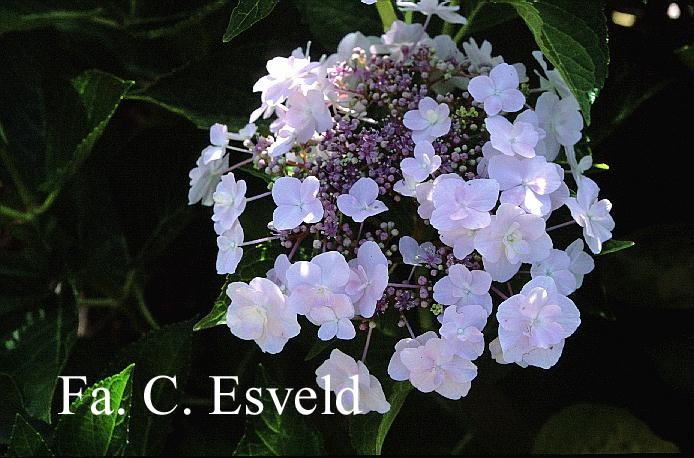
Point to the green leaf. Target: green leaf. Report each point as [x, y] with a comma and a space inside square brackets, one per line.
[592, 428]
[26, 441]
[217, 315]
[368, 432]
[272, 434]
[482, 15]
[36, 352]
[247, 13]
[79, 122]
[573, 36]
[84, 433]
[12, 403]
[164, 351]
[23, 15]
[612, 246]
[330, 20]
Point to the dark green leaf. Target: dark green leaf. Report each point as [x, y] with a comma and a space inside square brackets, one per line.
[368, 432]
[22, 15]
[217, 315]
[36, 353]
[84, 433]
[164, 351]
[26, 441]
[573, 36]
[79, 122]
[612, 246]
[247, 13]
[330, 20]
[272, 434]
[11, 402]
[482, 15]
[686, 55]
[591, 428]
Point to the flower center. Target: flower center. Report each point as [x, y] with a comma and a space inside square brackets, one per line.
[432, 116]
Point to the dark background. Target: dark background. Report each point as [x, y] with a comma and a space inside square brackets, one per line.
[633, 350]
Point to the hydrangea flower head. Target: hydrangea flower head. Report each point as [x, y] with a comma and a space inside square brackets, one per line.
[341, 368]
[429, 121]
[498, 91]
[361, 202]
[258, 311]
[534, 324]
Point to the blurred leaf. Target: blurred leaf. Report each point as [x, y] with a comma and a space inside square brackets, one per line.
[164, 351]
[368, 432]
[35, 354]
[319, 347]
[660, 268]
[612, 246]
[482, 15]
[272, 434]
[592, 428]
[247, 13]
[217, 315]
[11, 402]
[686, 55]
[22, 15]
[26, 441]
[330, 20]
[573, 36]
[84, 433]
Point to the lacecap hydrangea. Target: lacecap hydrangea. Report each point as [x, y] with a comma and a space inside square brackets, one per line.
[409, 176]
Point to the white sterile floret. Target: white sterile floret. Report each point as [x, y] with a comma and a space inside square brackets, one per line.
[459, 203]
[407, 186]
[435, 366]
[424, 192]
[527, 183]
[244, 133]
[552, 81]
[307, 113]
[415, 254]
[430, 121]
[219, 139]
[480, 57]
[296, 201]
[557, 267]
[258, 311]
[591, 214]
[512, 238]
[204, 179]
[447, 49]
[317, 290]
[464, 287]
[534, 324]
[284, 75]
[498, 91]
[433, 7]
[230, 251]
[396, 369]
[461, 329]
[341, 368]
[368, 279]
[424, 163]
[561, 120]
[519, 138]
[401, 35]
[278, 273]
[461, 239]
[581, 262]
[361, 201]
[229, 202]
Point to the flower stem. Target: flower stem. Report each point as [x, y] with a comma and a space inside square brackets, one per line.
[558, 226]
[404, 285]
[366, 345]
[259, 196]
[240, 150]
[361, 226]
[499, 293]
[239, 164]
[407, 325]
[256, 241]
[411, 273]
[510, 289]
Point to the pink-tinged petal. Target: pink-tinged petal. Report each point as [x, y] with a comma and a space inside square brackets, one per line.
[502, 270]
[506, 170]
[504, 77]
[476, 219]
[334, 269]
[523, 149]
[512, 100]
[286, 191]
[453, 390]
[287, 217]
[570, 318]
[365, 190]
[481, 87]
[481, 194]
[493, 105]
[544, 357]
